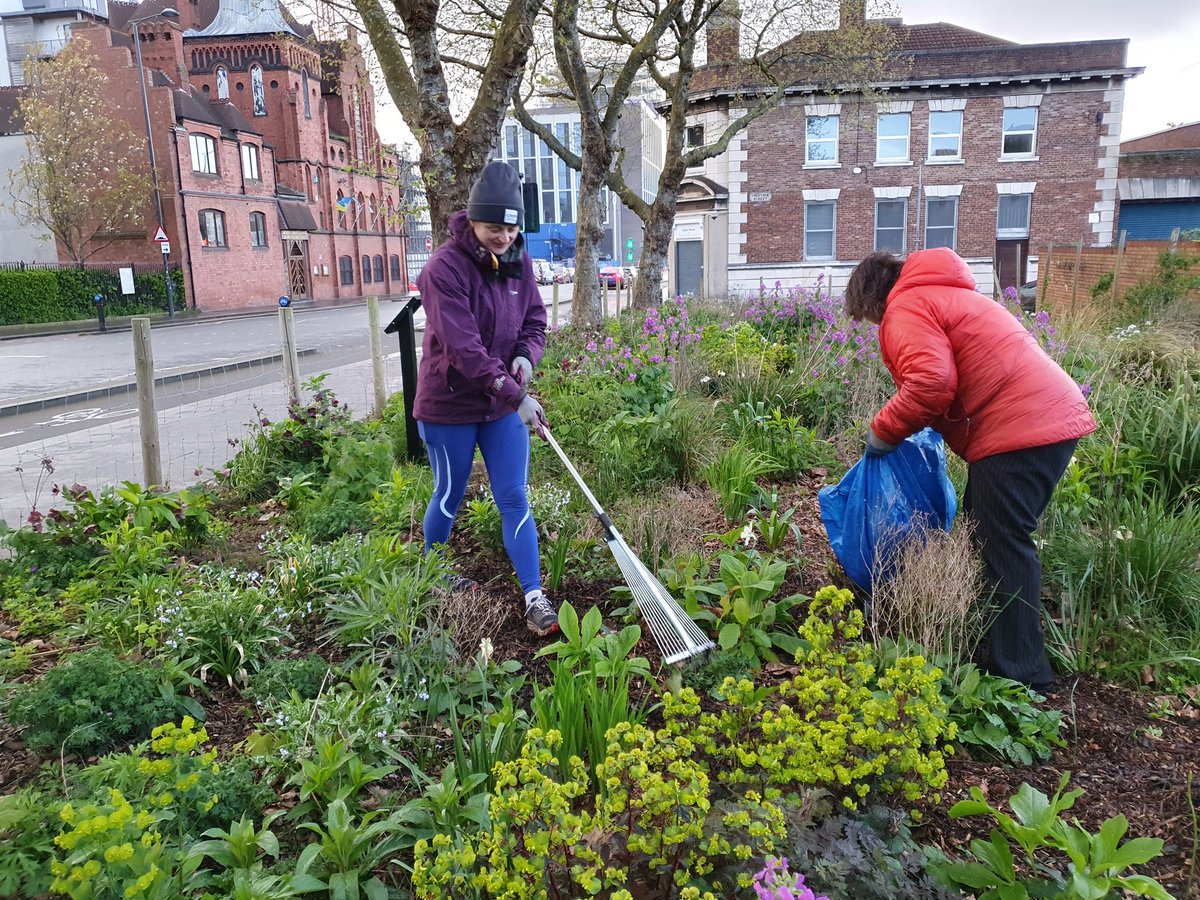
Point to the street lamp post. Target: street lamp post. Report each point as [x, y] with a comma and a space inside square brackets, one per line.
[137, 43]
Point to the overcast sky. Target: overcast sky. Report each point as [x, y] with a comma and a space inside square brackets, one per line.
[1164, 36]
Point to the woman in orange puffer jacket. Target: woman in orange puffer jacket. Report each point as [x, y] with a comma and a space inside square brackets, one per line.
[966, 366]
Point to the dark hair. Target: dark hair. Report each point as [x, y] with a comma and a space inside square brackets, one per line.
[870, 283]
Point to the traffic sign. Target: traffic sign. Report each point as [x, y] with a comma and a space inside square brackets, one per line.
[160, 236]
[165, 247]
[429, 243]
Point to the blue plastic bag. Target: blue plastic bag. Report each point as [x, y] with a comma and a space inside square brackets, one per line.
[883, 499]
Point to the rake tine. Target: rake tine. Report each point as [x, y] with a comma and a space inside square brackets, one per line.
[677, 636]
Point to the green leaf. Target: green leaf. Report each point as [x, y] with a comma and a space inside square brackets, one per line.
[1105, 842]
[1144, 886]
[731, 633]
[375, 890]
[969, 808]
[1135, 852]
[996, 854]
[741, 610]
[973, 875]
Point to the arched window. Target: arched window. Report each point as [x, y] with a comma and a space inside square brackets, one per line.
[256, 90]
[212, 228]
[394, 262]
[346, 269]
[377, 265]
[373, 215]
[308, 185]
[342, 202]
[360, 213]
[390, 224]
[304, 89]
[258, 230]
[222, 83]
[366, 269]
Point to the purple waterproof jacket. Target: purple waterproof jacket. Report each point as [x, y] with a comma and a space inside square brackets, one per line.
[480, 314]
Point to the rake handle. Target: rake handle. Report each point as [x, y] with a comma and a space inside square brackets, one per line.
[596, 507]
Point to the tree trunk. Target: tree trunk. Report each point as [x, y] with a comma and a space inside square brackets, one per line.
[656, 243]
[586, 297]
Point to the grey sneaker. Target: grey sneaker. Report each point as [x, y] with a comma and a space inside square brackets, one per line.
[540, 615]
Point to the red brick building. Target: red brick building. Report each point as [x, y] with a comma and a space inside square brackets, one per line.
[260, 131]
[973, 142]
[1159, 183]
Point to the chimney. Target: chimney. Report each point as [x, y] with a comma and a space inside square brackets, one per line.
[852, 14]
[162, 49]
[725, 33]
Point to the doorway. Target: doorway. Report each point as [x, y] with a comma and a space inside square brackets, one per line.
[689, 267]
[1012, 260]
[297, 270]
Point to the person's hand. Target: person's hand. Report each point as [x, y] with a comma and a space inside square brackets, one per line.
[532, 415]
[877, 446]
[522, 370]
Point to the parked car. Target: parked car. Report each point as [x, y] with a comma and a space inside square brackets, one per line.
[612, 276]
[541, 271]
[1027, 293]
[558, 273]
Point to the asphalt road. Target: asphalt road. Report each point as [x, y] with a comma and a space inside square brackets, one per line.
[60, 364]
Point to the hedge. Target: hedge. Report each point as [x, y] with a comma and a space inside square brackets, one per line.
[66, 294]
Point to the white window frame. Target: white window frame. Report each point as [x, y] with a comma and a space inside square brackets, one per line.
[203, 148]
[810, 142]
[936, 198]
[250, 165]
[832, 230]
[1031, 131]
[255, 234]
[880, 159]
[212, 229]
[1014, 234]
[930, 158]
[903, 229]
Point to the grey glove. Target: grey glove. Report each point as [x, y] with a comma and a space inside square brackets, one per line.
[522, 370]
[532, 415]
[877, 446]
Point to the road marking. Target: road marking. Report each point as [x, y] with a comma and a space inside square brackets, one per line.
[82, 415]
[6, 356]
[10, 433]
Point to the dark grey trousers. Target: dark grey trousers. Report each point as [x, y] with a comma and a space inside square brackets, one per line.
[1006, 495]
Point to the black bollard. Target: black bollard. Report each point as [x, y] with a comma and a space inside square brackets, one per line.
[99, 301]
[404, 327]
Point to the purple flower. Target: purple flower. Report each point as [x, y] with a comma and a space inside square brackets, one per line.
[1086, 389]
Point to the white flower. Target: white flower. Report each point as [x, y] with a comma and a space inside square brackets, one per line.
[485, 652]
[747, 535]
[705, 380]
[1123, 534]
[720, 373]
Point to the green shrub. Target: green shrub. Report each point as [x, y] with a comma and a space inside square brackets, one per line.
[869, 858]
[91, 702]
[67, 294]
[279, 678]
[28, 296]
[325, 522]
[997, 718]
[28, 824]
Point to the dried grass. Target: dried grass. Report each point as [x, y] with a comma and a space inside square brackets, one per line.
[469, 617]
[933, 597]
[667, 524]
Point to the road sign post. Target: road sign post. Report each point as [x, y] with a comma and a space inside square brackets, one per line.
[160, 237]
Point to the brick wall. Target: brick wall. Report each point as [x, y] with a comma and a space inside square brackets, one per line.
[1066, 172]
[1167, 164]
[1068, 275]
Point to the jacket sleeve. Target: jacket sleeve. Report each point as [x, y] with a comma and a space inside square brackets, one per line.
[924, 369]
[531, 341]
[449, 318]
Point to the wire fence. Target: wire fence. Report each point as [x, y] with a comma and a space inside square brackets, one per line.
[202, 415]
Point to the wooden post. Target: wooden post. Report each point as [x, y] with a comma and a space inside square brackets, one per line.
[1174, 248]
[554, 291]
[1116, 282]
[143, 360]
[1075, 282]
[291, 362]
[606, 298]
[1045, 280]
[376, 355]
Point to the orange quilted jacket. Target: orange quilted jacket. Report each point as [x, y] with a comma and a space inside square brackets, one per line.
[965, 365]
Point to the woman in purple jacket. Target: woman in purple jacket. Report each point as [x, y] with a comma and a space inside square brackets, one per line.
[485, 330]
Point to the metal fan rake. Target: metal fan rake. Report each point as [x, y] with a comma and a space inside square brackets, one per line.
[677, 636]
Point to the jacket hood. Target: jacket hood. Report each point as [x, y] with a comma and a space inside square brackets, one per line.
[462, 234]
[941, 267]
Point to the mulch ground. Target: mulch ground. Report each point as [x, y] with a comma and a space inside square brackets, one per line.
[1133, 753]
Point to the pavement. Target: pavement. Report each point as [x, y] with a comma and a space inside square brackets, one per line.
[67, 399]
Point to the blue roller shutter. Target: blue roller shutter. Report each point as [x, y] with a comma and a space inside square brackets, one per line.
[1153, 220]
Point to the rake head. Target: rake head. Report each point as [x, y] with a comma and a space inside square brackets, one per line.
[677, 636]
